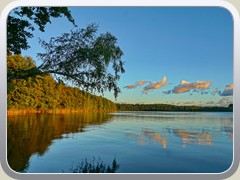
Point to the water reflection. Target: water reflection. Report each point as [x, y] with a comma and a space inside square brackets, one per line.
[95, 166]
[48, 144]
[30, 134]
[147, 135]
[228, 130]
[193, 137]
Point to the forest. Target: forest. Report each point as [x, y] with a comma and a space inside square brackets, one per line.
[168, 107]
[84, 66]
[42, 93]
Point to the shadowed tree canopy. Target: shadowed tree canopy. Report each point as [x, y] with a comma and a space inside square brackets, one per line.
[21, 22]
[80, 57]
[83, 58]
[87, 60]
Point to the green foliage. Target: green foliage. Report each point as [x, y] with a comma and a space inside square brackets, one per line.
[83, 58]
[44, 93]
[168, 107]
[19, 67]
[95, 167]
[21, 23]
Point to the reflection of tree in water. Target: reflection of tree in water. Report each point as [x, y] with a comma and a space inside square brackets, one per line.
[193, 137]
[95, 166]
[34, 133]
[147, 134]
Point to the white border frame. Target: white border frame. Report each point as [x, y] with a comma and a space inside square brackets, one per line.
[122, 3]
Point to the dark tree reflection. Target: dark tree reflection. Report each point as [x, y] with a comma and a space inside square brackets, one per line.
[95, 166]
[34, 133]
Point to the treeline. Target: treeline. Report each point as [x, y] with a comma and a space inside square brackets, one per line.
[168, 107]
[42, 92]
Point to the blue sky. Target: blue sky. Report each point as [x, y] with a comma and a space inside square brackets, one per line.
[181, 56]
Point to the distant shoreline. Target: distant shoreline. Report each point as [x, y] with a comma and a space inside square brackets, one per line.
[125, 107]
[169, 107]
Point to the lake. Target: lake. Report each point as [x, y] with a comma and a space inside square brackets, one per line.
[141, 142]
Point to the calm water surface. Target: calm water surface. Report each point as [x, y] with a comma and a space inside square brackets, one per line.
[141, 142]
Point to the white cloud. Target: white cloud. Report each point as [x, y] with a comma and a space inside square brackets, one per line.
[185, 86]
[139, 83]
[155, 85]
[130, 86]
[228, 91]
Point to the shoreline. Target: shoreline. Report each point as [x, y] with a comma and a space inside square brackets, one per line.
[57, 111]
[66, 111]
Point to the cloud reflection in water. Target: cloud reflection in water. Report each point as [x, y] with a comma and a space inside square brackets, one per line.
[147, 135]
[193, 137]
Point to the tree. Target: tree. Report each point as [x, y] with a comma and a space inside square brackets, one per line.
[83, 58]
[44, 93]
[21, 22]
